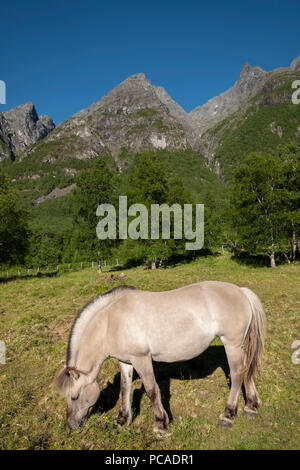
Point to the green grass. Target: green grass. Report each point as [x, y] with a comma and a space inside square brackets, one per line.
[35, 319]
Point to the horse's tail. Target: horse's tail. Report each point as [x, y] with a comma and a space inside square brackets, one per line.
[254, 339]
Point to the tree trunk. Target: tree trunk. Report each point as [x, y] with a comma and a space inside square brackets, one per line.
[160, 263]
[287, 258]
[153, 265]
[272, 260]
[294, 245]
[99, 269]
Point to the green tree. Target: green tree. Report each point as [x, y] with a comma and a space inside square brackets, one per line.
[148, 185]
[289, 155]
[14, 231]
[259, 204]
[94, 187]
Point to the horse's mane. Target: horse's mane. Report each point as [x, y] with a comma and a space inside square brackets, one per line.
[87, 313]
[65, 380]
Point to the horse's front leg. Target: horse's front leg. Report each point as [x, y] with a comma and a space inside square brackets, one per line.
[125, 413]
[143, 366]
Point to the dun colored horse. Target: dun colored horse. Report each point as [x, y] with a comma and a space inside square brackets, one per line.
[137, 327]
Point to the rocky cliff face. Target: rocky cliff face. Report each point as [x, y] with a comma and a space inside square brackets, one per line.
[131, 117]
[218, 108]
[295, 65]
[261, 124]
[21, 127]
[249, 83]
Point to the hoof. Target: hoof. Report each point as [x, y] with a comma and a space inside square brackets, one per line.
[250, 413]
[225, 422]
[161, 432]
[123, 421]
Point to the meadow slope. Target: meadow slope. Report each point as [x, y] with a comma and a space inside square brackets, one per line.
[35, 319]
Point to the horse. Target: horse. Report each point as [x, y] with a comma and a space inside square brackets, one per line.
[138, 327]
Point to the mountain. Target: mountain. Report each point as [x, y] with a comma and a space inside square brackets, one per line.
[131, 117]
[261, 124]
[203, 147]
[256, 114]
[21, 127]
[249, 83]
[218, 108]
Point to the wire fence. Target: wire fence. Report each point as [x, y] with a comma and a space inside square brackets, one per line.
[21, 272]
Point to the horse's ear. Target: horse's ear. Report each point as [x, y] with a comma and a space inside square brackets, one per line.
[73, 373]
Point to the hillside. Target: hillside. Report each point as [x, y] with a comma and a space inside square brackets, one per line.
[264, 122]
[203, 147]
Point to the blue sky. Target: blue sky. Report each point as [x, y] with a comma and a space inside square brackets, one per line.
[64, 55]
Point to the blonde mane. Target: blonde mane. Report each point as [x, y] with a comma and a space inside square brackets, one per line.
[84, 317]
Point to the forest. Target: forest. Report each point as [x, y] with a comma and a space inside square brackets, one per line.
[255, 215]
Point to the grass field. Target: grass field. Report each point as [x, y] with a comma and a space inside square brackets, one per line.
[35, 320]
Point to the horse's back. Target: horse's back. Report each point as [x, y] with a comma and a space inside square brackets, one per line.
[178, 324]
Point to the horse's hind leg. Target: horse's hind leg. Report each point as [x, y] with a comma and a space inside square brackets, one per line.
[125, 413]
[236, 365]
[252, 398]
[143, 366]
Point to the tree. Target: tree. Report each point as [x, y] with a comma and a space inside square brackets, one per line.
[215, 229]
[289, 155]
[14, 231]
[148, 185]
[259, 205]
[94, 187]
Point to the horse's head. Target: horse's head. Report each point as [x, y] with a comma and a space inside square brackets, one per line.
[81, 394]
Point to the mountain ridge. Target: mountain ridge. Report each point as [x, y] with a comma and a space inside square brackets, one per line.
[133, 116]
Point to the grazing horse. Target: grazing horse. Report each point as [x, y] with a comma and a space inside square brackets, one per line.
[137, 327]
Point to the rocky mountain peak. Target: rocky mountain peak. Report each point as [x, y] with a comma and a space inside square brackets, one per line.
[295, 65]
[137, 76]
[246, 67]
[218, 108]
[21, 126]
[131, 116]
[249, 80]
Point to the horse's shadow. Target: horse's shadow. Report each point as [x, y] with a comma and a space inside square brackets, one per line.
[197, 368]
